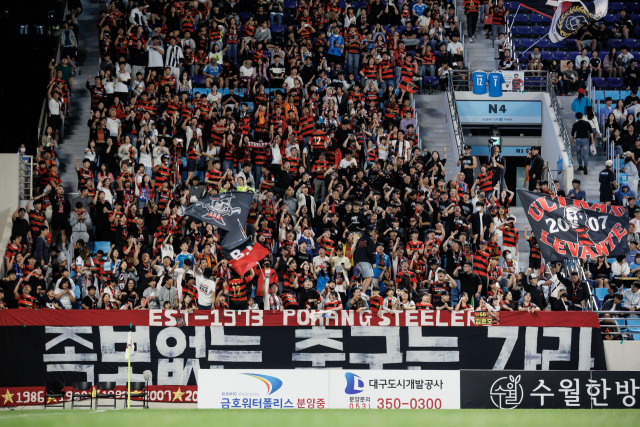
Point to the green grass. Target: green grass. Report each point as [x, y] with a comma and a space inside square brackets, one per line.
[320, 418]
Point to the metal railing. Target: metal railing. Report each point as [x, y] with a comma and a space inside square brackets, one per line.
[26, 176]
[455, 119]
[563, 134]
[574, 264]
[620, 322]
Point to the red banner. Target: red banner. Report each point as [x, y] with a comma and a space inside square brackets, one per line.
[46, 317]
[22, 396]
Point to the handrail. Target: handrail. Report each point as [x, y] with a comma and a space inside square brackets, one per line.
[563, 130]
[455, 119]
[25, 178]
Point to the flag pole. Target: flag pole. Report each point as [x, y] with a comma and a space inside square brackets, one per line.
[129, 376]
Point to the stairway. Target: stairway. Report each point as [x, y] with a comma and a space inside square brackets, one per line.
[434, 129]
[76, 132]
[480, 53]
[589, 183]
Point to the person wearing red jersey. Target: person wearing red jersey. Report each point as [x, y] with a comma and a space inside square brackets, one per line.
[376, 300]
[425, 302]
[238, 291]
[22, 294]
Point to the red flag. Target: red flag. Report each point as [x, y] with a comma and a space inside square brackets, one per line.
[407, 85]
[244, 259]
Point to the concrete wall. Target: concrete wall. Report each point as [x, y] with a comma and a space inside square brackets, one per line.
[9, 196]
[622, 355]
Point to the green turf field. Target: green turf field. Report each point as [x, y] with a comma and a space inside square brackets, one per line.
[321, 418]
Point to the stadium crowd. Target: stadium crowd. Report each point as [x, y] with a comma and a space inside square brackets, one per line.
[307, 105]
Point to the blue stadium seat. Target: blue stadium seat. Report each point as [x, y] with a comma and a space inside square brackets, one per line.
[636, 55]
[572, 55]
[599, 95]
[543, 44]
[534, 18]
[599, 82]
[614, 82]
[632, 6]
[104, 246]
[613, 94]
[609, 19]
[624, 94]
[534, 82]
[201, 90]
[276, 29]
[244, 16]
[546, 20]
[632, 43]
[546, 56]
[617, 43]
[601, 293]
[526, 43]
[557, 45]
[429, 82]
[516, 44]
[199, 80]
[560, 56]
[513, 6]
[523, 31]
[616, 6]
[539, 31]
[521, 19]
[289, 5]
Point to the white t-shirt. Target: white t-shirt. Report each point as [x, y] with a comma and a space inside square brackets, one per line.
[206, 288]
[113, 126]
[246, 72]
[155, 58]
[54, 107]
[344, 163]
[65, 299]
[121, 86]
[453, 48]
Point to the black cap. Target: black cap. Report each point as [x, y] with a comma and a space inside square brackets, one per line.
[444, 293]
[432, 261]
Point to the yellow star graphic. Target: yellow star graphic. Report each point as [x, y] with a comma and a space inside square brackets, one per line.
[52, 399]
[178, 395]
[95, 391]
[8, 397]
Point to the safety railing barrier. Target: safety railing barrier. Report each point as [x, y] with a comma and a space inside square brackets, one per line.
[622, 323]
[455, 119]
[563, 134]
[26, 176]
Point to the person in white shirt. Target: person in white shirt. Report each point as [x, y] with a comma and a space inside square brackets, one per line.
[348, 161]
[123, 79]
[290, 81]
[632, 297]
[64, 291]
[156, 53]
[620, 267]
[113, 124]
[206, 288]
[137, 16]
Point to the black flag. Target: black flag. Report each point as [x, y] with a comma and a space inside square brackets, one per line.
[567, 228]
[226, 210]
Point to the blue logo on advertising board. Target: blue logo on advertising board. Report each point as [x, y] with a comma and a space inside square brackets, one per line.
[355, 385]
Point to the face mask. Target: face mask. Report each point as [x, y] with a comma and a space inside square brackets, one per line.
[508, 256]
[22, 150]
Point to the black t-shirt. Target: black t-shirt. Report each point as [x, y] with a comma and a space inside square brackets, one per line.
[20, 228]
[302, 257]
[91, 303]
[469, 283]
[9, 298]
[595, 62]
[466, 208]
[441, 303]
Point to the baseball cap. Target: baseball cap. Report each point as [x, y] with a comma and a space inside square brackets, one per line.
[432, 261]
[483, 242]
[581, 90]
[608, 163]
[534, 276]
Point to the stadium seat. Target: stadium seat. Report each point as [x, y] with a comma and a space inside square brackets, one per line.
[572, 55]
[76, 393]
[635, 18]
[104, 246]
[557, 45]
[614, 82]
[290, 5]
[636, 55]
[609, 19]
[546, 20]
[513, 6]
[546, 56]
[599, 82]
[517, 44]
[534, 18]
[521, 20]
[599, 94]
[276, 29]
[523, 31]
[560, 56]
[526, 43]
[201, 90]
[601, 293]
[632, 43]
[624, 94]
[103, 393]
[199, 80]
[616, 6]
[617, 43]
[613, 94]
[539, 31]
[631, 6]
[535, 83]
[429, 82]
[543, 44]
